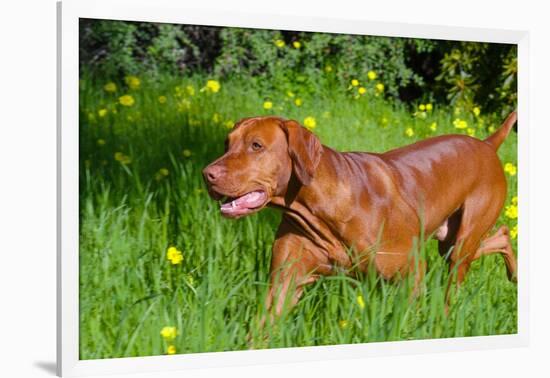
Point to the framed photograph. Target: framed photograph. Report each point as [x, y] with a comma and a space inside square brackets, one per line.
[253, 188]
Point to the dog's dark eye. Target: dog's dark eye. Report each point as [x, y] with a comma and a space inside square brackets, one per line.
[256, 146]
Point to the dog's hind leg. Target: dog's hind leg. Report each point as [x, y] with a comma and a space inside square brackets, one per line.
[479, 214]
[500, 243]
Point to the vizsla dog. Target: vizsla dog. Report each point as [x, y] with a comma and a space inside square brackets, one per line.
[342, 209]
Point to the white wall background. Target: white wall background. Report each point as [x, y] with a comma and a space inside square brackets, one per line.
[27, 187]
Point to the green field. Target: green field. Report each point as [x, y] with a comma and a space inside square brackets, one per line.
[141, 192]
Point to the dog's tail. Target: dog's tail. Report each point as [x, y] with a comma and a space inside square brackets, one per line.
[496, 139]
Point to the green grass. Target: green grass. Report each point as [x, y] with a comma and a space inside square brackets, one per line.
[130, 214]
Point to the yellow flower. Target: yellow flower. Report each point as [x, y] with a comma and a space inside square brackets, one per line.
[372, 75]
[126, 100]
[362, 90]
[515, 200]
[174, 255]
[298, 102]
[177, 259]
[290, 94]
[355, 82]
[460, 123]
[268, 105]
[280, 43]
[132, 81]
[216, 118]
[433, 126]
[213, 86]
[511, 169]
[343, 324]
[191, 90]
[422, 107]
[361, 301]
[380, 87]
[187, 153]
[471, 131]
[422, 115]
[102, 112]
[184, 105]
[162, 99]
[511, 211]
[122, 158]
[169, 333]
[171, 252]
[162, 173]
[429, 107]
[296, 44]
[101, 142]
[310, 122]
[514, 232]
[110, 87]
[409, 132]
[491, 129]
[328, 68]
[229, 124]
[477, 111]
[171, 349]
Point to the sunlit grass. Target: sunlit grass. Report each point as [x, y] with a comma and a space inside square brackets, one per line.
[141, 193]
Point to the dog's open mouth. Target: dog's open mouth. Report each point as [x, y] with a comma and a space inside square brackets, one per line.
[243, 205]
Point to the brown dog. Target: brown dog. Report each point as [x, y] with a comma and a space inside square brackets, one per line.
[373, 205]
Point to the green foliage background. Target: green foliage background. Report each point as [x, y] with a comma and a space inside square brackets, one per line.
[458, 73]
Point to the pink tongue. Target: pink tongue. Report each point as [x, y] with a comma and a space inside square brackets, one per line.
[242, 204]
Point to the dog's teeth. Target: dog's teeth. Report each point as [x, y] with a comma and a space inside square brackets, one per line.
[233, 204]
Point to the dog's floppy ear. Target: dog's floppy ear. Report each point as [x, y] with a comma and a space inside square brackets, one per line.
[304, 149]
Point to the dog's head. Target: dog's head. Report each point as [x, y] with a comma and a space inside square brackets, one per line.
[261, 156]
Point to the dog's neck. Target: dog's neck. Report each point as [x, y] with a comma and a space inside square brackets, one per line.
[297, 209]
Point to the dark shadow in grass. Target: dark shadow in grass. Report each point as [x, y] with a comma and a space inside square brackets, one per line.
[149, 150]
[48, 366]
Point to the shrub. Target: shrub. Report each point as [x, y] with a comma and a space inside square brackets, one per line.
[307, 60]
[480, 74]
[112, 49]
[464, 74]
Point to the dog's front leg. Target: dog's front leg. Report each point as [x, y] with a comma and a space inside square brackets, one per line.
[296, 262]
[286, 287]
